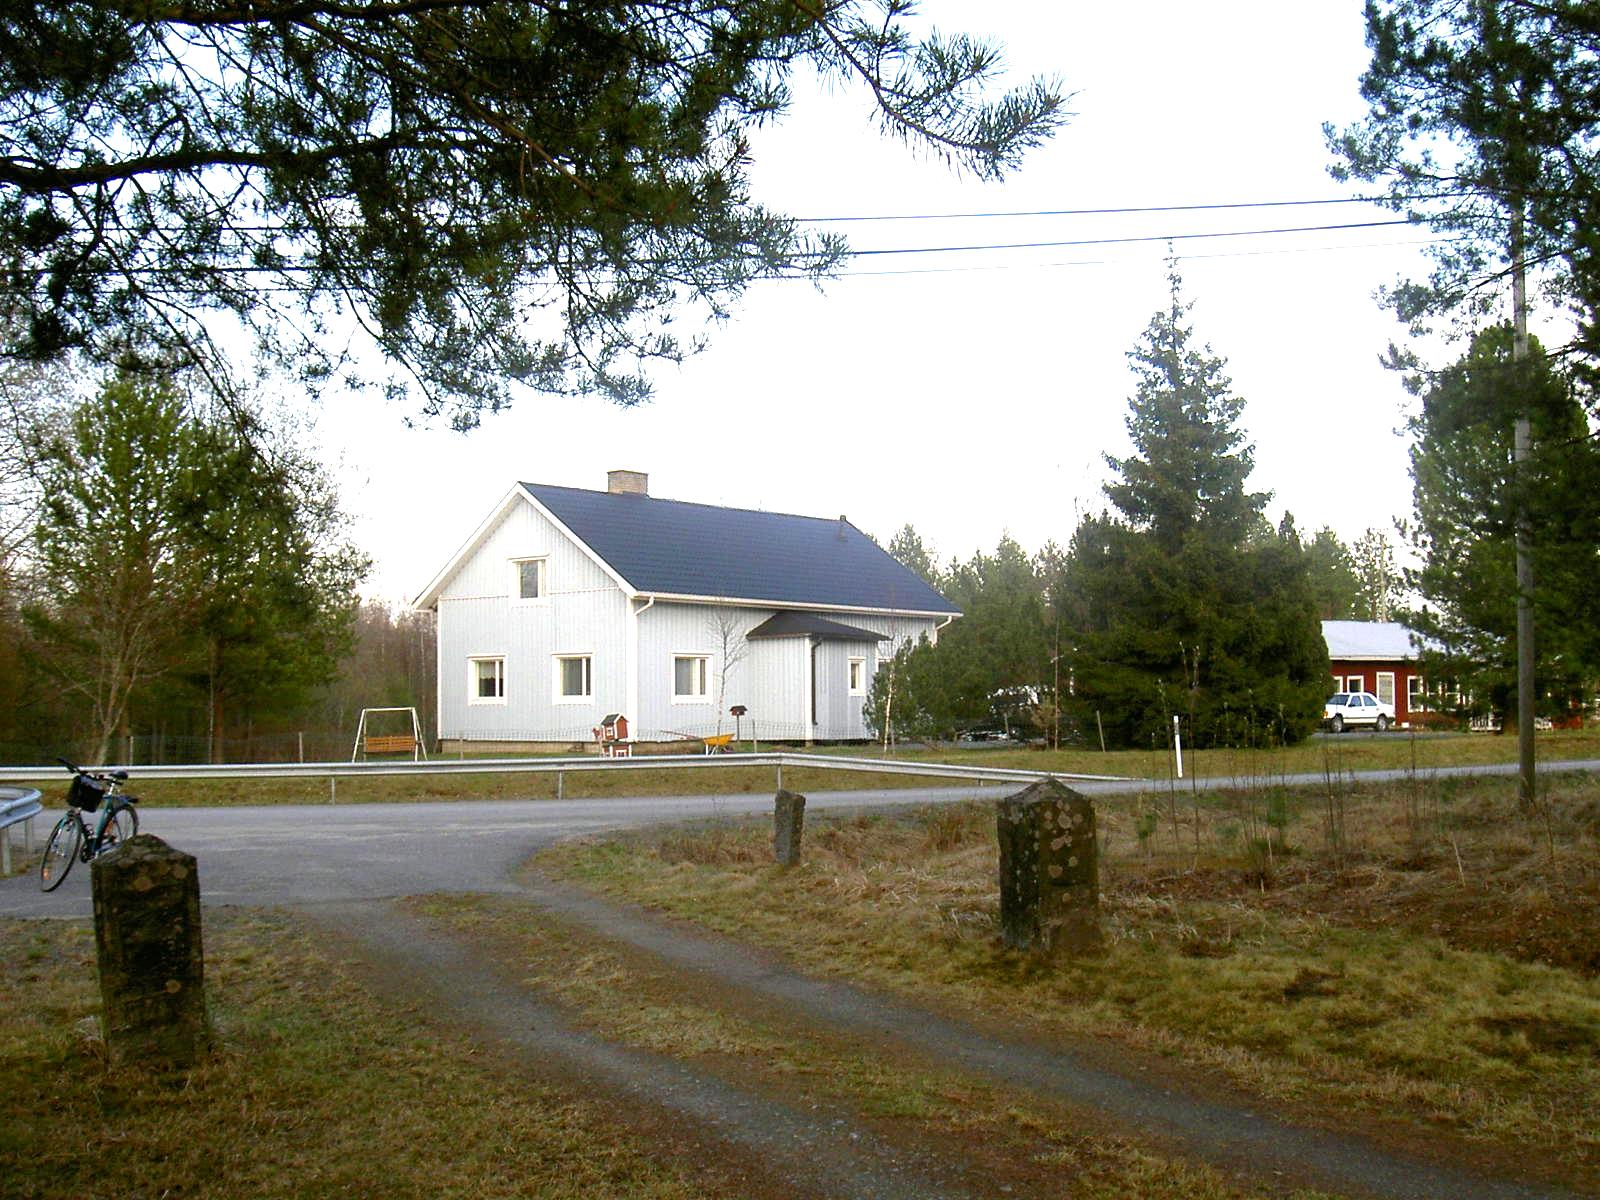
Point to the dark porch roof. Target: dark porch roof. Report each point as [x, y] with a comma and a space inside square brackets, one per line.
[803, 624]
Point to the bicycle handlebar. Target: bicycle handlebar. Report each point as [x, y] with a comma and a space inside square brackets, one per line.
[116, 776]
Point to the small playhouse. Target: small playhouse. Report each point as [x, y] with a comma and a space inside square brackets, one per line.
[611, 735]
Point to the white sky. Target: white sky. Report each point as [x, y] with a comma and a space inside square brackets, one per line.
[977, 396]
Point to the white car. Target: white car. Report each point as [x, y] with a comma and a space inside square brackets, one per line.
[1345, 709]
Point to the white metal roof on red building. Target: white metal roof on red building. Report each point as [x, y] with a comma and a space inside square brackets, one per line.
[1374, 641]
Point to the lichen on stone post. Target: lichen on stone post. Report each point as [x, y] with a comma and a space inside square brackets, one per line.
[1049, 870]
[788, 823]
[152, 965]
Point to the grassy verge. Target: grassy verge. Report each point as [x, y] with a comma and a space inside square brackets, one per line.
[1348, 752]
[1422, 956]
[1336, 756]
[1009, 1145]
[318, 1089]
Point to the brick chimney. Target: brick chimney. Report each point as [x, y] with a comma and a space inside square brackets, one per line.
[627, 483]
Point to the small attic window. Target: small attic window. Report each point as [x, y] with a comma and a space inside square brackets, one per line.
[528, 579]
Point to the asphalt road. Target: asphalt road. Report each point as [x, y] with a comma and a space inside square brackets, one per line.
[318, 853]
[293, 854]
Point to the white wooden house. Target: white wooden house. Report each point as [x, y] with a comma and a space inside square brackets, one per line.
[567, 604]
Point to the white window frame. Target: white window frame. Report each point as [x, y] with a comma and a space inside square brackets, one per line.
[856, 676]
[559, 696]
[704, 695]
[1416, 694]
[1377, 687]
[544, 579]
[1355, 684]
[474, 677]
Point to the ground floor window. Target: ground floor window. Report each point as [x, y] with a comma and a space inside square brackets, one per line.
[574, 677]
[1385, 688]
[689, 675]
[858, 676]
[486, 680]
[1416, 694]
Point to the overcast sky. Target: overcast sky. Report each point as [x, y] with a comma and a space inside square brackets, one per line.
[973, 394]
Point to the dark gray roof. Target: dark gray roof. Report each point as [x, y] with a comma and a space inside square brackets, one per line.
[806, 624]
[677, 548]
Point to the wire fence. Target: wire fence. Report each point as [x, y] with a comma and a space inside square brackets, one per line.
[325, 745]
[161, 749]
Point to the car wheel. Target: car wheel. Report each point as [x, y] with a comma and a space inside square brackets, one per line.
[1383, 723]
[1337, 724]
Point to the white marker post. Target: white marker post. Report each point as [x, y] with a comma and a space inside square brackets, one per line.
[1177, 744]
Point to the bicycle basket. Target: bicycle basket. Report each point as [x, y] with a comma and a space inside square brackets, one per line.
[85, 793]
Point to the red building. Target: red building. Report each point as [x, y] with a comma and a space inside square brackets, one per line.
[1378, 657]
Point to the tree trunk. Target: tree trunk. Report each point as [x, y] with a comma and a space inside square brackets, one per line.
[215, 713]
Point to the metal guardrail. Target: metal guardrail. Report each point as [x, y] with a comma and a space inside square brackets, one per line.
[18, 806]
[777, 760]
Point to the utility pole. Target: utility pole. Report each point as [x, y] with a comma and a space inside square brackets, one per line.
[1521, 451]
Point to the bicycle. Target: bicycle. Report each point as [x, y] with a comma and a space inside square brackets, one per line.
[71, 839]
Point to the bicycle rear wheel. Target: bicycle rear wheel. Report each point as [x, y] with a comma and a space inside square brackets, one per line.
[120, 826]
[60, 852]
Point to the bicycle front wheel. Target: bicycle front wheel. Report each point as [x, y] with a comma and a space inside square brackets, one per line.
[60, 851]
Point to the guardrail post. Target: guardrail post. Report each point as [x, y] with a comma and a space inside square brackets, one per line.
[780, 775]
[561, 785]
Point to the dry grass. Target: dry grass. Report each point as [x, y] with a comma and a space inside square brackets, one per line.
[318, 1089]
[1422, 953]
[1014, 1145]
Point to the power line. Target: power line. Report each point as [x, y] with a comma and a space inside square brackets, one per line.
[1100, 262]
[301, 268]
[1117, 241]
[1117, 211]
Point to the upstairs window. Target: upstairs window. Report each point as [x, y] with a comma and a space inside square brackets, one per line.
[689, 675]
[528, 579]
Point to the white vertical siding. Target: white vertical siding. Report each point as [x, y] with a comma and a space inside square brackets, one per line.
[770, 679]
[583, 612]
[780, 703]
[667, 630]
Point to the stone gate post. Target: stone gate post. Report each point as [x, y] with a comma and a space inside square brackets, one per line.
[1049, 870]
[152, 967]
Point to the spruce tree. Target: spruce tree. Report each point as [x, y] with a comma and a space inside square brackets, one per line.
[1190, 461]
[1334, 582]
[1185, 601]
